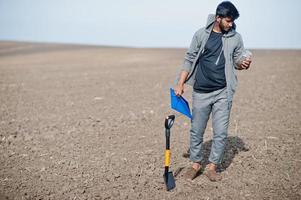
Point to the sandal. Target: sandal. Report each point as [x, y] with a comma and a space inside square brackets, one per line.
[191, 173]
[212, 175]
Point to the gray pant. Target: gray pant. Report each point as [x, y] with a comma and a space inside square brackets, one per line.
[202, 105]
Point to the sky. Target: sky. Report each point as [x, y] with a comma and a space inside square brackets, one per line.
[263, 24]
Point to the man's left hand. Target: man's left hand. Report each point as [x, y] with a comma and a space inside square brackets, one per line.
[245, 64]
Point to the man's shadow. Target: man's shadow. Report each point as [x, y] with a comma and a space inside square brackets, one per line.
[234, 145]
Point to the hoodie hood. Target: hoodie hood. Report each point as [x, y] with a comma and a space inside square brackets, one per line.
[210, 24]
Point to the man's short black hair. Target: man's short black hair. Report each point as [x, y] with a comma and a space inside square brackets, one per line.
[227, 9]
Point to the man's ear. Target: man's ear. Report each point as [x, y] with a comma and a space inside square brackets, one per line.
[218, 19]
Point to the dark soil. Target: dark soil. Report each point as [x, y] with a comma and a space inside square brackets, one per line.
[84, 122]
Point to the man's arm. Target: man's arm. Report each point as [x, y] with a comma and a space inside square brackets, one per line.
[190, 56]
[192, 52]
[245, 64]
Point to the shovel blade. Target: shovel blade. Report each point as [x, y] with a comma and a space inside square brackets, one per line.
[169, 181]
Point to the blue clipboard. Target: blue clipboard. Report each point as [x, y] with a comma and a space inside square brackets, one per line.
[179, 104]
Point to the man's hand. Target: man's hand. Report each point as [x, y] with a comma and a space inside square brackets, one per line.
[179, 90]
[245, 64]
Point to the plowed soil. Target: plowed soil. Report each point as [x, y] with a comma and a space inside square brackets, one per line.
[86, 122]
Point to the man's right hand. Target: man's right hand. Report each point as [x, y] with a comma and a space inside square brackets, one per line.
[179, 90]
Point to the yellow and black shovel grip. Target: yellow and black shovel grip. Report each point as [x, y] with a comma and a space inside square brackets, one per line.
[167, 157]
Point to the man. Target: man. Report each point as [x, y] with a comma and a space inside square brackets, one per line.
[210, 64]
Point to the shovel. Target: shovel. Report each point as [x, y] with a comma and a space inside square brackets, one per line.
[168, 176]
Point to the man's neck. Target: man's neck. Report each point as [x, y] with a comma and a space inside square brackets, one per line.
[216, 28]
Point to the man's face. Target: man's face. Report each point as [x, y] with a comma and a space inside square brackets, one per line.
[225, 23]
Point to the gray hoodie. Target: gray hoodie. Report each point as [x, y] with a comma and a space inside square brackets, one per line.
[233, 48]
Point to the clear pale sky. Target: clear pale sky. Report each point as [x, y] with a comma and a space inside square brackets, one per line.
[142, 23]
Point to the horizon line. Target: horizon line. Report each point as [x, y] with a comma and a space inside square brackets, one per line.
[126, 46]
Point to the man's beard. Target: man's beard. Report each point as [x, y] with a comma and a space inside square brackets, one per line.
[223, 29]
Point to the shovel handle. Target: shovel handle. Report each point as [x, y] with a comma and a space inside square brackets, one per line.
[167, 158]
[169, 121]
